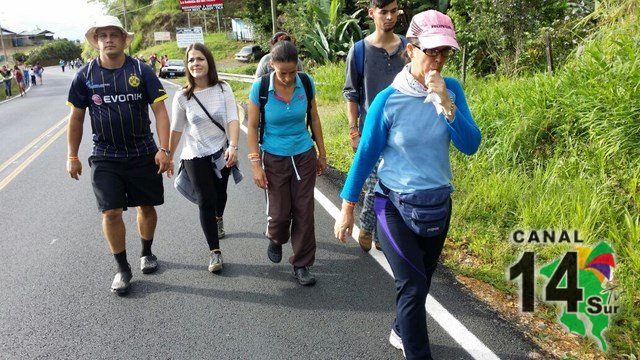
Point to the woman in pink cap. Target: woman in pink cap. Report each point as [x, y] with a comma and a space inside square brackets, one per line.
[411, 124]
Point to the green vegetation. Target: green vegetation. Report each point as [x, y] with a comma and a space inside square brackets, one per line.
[331, 34]
[51, 52]
[19, 57]
[560, 151]
[246, 69]
[14, 89]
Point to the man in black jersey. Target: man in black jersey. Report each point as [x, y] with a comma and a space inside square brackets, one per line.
[126, 165]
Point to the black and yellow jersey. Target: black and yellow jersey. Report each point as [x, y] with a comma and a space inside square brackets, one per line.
[118, 102]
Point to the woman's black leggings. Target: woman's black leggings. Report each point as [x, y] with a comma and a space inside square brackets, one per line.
[212, 193]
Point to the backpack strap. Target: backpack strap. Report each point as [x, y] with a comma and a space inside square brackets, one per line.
[358, 53]
[306, 83]
[263, 96]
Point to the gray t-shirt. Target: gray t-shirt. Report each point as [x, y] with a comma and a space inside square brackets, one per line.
[380, 68]
[264, 68]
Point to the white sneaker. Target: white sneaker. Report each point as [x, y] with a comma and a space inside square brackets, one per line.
[396, 341]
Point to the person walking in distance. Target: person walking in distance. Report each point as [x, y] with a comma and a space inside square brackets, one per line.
[7, 76]
[39, 70]
[33, 75]
[19, 79]
[372, 63]
[264, 66]
[412, 124]
[205, 112]
[126, 165]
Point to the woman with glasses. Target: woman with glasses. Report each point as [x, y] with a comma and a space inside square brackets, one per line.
[411, 124]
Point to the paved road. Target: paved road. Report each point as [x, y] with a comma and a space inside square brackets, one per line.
[56, 271]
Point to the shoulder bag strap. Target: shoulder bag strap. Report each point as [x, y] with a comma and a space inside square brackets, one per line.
[209, 115]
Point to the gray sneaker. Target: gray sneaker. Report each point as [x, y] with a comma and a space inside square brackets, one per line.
[215, 262]
[121, 282]
[221, 232]
[148, 264]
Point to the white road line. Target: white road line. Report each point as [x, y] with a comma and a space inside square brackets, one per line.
[465, 338]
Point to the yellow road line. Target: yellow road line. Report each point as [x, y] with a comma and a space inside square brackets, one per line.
[33, 156]
[32, 144]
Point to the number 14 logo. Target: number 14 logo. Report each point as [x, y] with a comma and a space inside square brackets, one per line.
[570, 293]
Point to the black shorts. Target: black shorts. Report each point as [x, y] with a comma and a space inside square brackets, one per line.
[122, 183]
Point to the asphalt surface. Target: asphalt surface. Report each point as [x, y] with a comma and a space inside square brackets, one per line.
[56, 271]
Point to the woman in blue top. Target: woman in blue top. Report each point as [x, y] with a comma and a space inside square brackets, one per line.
[411, 124]
[286, 163]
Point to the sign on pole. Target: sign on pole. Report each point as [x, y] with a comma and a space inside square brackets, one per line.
[161, 36]
[188, 36]
[196, 5]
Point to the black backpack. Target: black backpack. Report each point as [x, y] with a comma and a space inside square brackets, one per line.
[264, 96]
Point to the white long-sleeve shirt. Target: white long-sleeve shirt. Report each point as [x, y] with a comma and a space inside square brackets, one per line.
[201, 136]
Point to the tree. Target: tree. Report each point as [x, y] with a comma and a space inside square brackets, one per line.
[19, 57]
[324, 31]
[506, 35]
[51, 52]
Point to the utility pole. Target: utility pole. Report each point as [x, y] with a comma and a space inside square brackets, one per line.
[273, 15]
[204, 13]
[4, 51]
[188, 19]
[124, 13]
[218, 18]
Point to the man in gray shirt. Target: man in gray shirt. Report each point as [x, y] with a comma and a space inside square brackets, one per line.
[264, 66]
[372, 64]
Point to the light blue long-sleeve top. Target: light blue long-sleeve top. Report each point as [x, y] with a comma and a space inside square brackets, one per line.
[413, 141]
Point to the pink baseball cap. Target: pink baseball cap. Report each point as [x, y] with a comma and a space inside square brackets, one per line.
[433, 29]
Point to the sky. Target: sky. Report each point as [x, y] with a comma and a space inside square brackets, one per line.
[66, 19]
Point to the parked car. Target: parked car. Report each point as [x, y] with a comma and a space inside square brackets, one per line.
[172, 69]
[249, 53]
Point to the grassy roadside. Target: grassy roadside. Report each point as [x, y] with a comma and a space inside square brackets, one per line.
[15, 91]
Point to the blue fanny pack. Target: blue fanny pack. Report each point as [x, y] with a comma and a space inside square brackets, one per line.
[425, 212]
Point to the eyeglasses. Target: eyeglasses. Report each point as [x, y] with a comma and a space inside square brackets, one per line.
[435, 52]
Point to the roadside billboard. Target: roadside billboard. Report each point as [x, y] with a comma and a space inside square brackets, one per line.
[188, 36]
[196, 5]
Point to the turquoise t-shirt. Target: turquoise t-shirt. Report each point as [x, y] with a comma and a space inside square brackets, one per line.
[285, 133]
